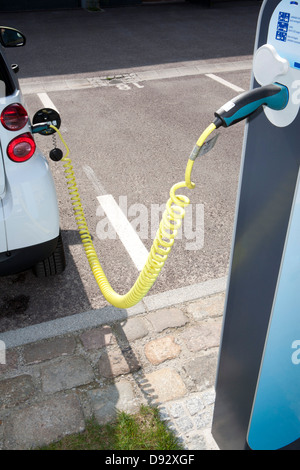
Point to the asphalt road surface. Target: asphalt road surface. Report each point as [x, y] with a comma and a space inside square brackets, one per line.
[134, 87]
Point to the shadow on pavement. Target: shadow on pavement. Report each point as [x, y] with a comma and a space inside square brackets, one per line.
[27, 300]
[82, 42]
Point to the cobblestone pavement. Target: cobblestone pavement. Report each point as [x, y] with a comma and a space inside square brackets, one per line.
[166, 357]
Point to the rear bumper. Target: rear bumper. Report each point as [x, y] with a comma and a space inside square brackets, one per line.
[19, 260]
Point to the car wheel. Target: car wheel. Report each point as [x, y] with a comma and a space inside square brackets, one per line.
[54, 264]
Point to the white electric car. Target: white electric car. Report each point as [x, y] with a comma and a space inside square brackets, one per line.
[29, 217]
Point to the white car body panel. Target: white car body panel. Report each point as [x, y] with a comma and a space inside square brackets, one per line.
[28, 194]
[30, 202]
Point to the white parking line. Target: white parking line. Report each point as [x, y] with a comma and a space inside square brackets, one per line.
[224, 82]
[46, 101]
[128, 236]
[99, 188]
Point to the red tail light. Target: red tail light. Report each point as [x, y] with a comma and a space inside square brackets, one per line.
[14, 117]
[21, 148]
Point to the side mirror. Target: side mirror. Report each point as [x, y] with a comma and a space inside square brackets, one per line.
[11, 37]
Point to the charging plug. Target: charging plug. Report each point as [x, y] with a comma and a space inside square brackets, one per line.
[275, 96]
[39, 128]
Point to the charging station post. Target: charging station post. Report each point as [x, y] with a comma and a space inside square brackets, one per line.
[258, 379]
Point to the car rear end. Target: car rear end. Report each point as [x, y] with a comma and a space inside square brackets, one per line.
[29, 218]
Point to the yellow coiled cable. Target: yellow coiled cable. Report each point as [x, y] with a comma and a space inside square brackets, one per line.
[164, 240]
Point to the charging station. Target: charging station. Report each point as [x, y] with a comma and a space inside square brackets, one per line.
[258, 379]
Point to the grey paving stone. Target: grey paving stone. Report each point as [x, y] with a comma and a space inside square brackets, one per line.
[202, 370]
[194, 405]
[11, 361]
[66, 373]
[132, 329]
[117, 397]
[176, 410]
[203, 420]
[118, 362]
[97, 338]
[44, 423]
[16, 390]
[208, 307]
[46, 350]
[184, 424]
[203, 336]
[167, 318]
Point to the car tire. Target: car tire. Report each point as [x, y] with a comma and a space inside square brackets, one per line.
[54, 264]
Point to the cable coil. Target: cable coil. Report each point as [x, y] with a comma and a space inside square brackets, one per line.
[162, 244]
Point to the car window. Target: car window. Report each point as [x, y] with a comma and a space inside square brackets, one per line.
[7, 86]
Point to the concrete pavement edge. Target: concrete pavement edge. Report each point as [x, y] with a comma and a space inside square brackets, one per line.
[109, 314]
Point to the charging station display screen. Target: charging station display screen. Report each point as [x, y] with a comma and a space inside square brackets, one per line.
[284, 31]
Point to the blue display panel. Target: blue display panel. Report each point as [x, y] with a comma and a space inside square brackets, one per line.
[275, 420]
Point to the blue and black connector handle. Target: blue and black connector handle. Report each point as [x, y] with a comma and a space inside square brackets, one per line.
[275, 96]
